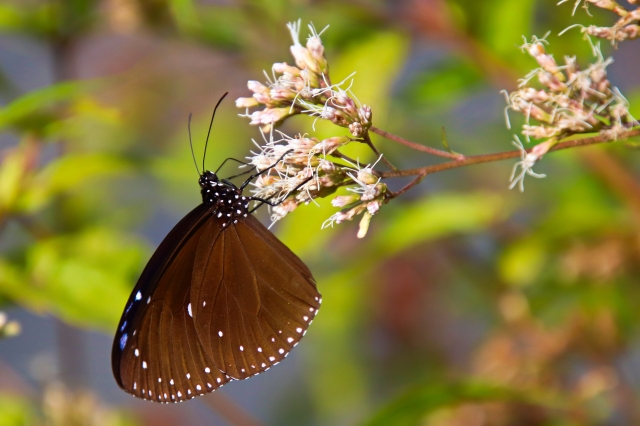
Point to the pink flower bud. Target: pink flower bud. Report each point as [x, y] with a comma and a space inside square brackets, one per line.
[344, 200]
[246, 102]
[257, 87]
[284, 68]
[316, 49]
[327, 146]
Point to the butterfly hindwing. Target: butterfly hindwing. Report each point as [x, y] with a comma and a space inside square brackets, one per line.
[217, 301]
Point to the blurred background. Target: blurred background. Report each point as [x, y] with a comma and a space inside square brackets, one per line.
[466, 304]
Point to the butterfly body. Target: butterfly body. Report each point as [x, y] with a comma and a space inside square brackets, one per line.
[221, 299]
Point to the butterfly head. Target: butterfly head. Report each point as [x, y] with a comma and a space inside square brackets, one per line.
[208, 180]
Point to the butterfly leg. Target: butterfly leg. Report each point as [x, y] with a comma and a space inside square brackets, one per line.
[271, 203]
[255, 175]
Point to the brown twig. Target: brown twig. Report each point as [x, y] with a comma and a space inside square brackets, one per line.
[416, 146]
[367, 140]
[486, 158]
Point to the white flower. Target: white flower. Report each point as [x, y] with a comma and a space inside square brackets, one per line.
[526, 165]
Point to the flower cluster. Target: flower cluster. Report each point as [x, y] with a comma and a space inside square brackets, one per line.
[305, 88]
[567, 101]
[626, 28]
[304, 173]
[308, 168]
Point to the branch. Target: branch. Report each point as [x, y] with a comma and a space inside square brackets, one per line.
[486, 158]
[416, 146]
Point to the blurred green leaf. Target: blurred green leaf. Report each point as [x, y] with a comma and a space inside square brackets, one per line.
[84, 278]
[437, 216]
[412, 408]
[69, 172]
[12, 169]
[10, 17]
[25, 111]
[444, 84]
[521, 263]
[519, 16]
[16, 411]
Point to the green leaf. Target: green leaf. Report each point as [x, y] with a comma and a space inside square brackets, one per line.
[505, 22]
[444, 84]
[16, 411]
[12, 170]
[414, 407]
[523, 261]
[437, 216]
[36, 102]
[84, 278]
[67, 173]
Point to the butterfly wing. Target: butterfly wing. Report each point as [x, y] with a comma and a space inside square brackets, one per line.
[214, 303]
[252, 298]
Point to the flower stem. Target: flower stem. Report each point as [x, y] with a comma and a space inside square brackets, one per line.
[367, 140]
[486, 158]
[416, 146]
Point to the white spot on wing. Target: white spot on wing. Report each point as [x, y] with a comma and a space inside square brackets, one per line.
[144, 364]
[189, 309]
[138, 295]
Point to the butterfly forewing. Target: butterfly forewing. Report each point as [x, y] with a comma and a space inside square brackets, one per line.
[219, 300]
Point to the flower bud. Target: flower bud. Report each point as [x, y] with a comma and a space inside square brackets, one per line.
[257, 87]
[364, 224]
[284, 68]
[367, 177]
[374, 206]
[356, 129]
[316, 50]
[327, 146]
[246, 102]
[344, 200]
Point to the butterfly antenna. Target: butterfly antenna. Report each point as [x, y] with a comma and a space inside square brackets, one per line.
[191, 143]
[210, 125]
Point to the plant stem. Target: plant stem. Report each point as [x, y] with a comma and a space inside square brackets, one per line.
[416, 146]
[367, 140]
[486, 158]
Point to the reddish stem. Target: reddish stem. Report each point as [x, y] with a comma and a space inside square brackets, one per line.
[486, 158]
[416, 146]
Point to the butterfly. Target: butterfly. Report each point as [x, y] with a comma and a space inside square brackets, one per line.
[221, 299]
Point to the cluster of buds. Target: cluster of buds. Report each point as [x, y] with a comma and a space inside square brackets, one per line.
[303, 172]
[626, 28]
[308, 168]
[366, 199]
[305, 88]
[567, 101]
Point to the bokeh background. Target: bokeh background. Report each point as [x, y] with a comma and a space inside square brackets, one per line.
[466, 305]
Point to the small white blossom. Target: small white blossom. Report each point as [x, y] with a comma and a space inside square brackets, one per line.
[528, 160]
